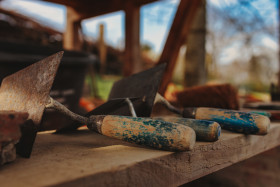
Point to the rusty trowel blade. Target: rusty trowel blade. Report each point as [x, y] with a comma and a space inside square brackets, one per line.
[142, 85]
[28, 89]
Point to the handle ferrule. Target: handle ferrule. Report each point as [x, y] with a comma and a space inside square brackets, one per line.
[95, 123]
[189, 112]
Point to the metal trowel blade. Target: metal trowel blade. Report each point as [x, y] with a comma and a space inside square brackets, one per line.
[28, 89]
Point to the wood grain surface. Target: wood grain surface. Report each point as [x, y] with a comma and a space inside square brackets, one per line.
[89, 159]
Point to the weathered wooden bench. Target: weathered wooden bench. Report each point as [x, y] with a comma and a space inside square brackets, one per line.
[88, 159]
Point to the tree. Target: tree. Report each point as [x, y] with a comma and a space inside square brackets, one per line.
[235, 34]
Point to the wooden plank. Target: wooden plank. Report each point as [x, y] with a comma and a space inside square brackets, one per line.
[132, 56]
[91, 8]
[177, 36]
[89, 159]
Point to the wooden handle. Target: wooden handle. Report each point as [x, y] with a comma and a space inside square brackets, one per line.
[205, 130]
[242, 122]
[145, 131]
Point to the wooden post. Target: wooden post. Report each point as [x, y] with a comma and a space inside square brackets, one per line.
[132, 60]
[176, 38]
[102, 48]
[195, 68]
[71, 37]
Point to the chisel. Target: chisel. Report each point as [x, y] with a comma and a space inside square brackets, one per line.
[242, 122]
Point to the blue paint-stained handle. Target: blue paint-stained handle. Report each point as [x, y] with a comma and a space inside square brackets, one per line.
[145, 131]
[232, 120]
[205, 130]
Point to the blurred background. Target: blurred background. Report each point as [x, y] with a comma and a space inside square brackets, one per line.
[228, 41]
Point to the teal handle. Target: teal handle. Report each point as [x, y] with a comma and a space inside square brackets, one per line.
[233, 120]
[205, 130]
[145, 131]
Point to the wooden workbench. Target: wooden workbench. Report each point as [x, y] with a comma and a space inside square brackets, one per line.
[89, 159]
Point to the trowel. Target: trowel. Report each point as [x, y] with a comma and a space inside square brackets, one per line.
[143, 100]
[141, 89]
[28, 91]
[145, 85]
[237, 121]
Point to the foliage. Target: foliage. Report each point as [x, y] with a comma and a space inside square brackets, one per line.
[237, 31]
[99, 86]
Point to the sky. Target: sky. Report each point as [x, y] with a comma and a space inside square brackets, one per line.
[155, 22]
[233, 52]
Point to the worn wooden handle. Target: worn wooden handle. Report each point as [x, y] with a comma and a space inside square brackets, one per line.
[242, 122]
[205, 130]
[145, 131]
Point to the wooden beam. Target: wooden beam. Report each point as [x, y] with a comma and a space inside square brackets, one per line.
[86, 158]
[177, 36]
[96, 8]
[71, 37]
[92, 8]
[132, 56]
